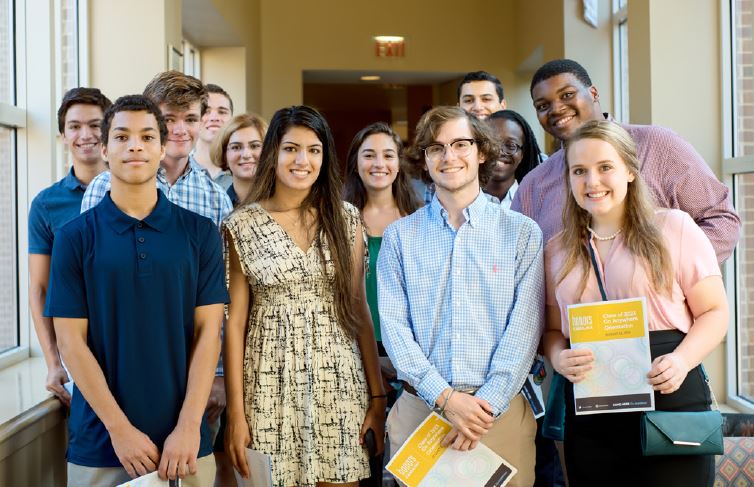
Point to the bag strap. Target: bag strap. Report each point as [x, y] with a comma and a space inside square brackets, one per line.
[711, 392]
[604, 298]
[596, 270]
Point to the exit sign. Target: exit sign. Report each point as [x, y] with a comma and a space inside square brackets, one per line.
[389, 46]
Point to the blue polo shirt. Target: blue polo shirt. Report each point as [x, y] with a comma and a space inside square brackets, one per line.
[138, 283]
[52, 208]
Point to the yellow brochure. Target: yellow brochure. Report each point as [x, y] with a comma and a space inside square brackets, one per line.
[423, 462]
[617, 334]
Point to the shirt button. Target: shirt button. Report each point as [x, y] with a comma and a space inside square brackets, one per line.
[142, 255]
[141, 239]
[458, 336]
[139, 225]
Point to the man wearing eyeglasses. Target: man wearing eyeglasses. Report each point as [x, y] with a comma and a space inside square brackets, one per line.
[502, 184]
[461, 298]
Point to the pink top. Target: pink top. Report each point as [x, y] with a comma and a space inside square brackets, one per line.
[693, 260]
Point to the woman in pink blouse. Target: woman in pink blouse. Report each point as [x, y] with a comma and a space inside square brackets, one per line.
[640, 251]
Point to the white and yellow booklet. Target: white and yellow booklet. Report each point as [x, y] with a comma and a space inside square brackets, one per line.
[423, 462]
[151, 480]
[260, 467]
[617, 334]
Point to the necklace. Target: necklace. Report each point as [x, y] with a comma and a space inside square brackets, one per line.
[603, 239]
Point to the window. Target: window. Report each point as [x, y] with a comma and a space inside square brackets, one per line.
[10, 118]
[738, 85]
[191, 60]
[66, 62]
[620, 60]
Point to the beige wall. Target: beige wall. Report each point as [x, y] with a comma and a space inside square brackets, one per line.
[335, 34]
[123, 58]
[592, 47]
[226, 66]
[244, 18]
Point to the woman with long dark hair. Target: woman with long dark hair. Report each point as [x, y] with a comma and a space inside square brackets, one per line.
[617, 245]
[378, 185]
[301, 364]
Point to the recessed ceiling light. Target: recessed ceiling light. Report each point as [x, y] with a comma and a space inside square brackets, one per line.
[388, 38]
[370, 77]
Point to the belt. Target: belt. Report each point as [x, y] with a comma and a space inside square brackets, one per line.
[411, 390]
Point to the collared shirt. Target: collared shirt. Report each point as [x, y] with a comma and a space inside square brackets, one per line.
[193, 190]
[52, 208]
[138, 283]
[231, 192]
[506, 202]
[675, 173]
[462, 308]
[224, 179]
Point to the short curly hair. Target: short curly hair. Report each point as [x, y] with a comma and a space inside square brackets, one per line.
[429, 126]
[560, 66]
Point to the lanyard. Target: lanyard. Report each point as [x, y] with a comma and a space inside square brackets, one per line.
[596, 270]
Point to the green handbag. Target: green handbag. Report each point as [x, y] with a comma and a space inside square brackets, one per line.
[681, 433]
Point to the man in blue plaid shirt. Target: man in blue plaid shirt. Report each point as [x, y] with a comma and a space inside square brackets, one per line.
[461, 299]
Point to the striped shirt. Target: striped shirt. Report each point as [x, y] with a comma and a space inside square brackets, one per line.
[675, 173]
[462, 308]
[193, 190]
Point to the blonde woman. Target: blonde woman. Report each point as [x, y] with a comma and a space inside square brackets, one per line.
[237, 150]
[639, 250]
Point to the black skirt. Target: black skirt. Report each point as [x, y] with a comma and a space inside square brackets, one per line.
[605, 449]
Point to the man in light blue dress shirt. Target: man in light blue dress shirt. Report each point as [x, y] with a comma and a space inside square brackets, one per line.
[461, 299]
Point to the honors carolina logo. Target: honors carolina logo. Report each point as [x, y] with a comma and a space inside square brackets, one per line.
[494, 268]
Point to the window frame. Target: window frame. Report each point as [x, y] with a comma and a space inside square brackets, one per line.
[620, 63]
[13, 116]
[732, 166]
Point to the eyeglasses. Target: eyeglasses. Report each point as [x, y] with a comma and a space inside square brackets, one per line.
[460, 147]
[510, 148]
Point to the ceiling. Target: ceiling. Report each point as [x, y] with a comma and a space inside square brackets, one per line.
[205, 26]
[386, 77]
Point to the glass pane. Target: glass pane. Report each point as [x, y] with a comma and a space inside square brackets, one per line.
[6, 52]
[623, 34]
[67, 61]
[8, 281]
[68, 45]
[744, 190]
[743, 73]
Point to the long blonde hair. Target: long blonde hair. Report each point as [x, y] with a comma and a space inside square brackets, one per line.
[641, 235]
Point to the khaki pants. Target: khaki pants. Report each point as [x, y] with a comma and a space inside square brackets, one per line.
[80, 476]
[511, 437]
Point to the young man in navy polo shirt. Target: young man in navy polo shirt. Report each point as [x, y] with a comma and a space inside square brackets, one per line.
[136, 293]
[79, 119]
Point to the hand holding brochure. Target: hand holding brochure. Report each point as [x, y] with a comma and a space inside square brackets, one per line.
[617, 334]
[260, 467]
[423, 462]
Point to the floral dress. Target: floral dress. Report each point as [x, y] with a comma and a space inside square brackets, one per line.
[305, 393]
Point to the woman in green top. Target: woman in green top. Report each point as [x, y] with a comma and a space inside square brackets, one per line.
[378, 186]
